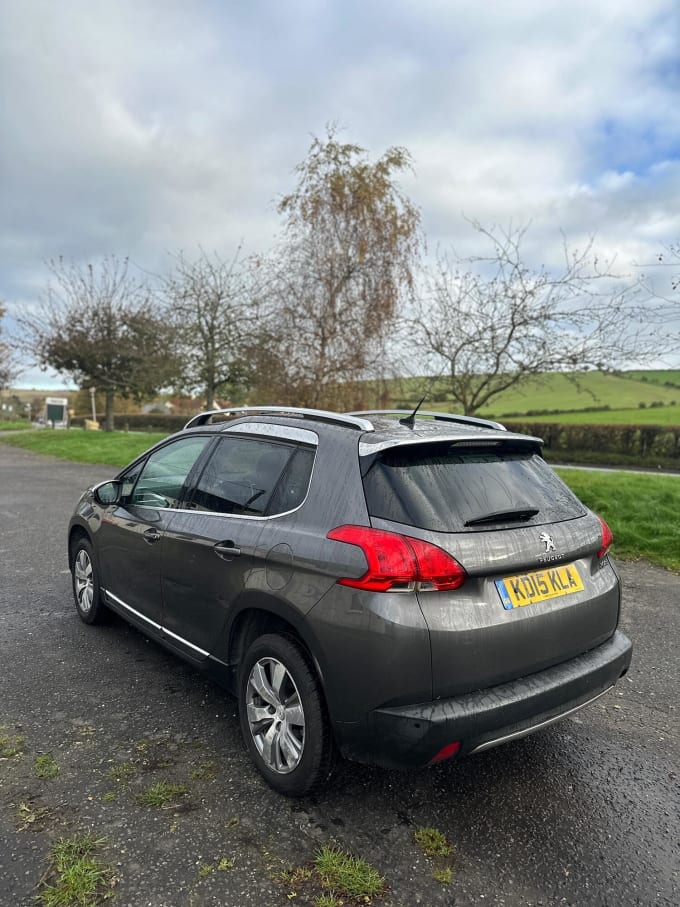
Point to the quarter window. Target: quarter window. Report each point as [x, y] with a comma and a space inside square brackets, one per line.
[292, 488]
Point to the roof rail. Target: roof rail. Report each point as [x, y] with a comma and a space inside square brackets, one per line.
[438, 417]
[318, 415]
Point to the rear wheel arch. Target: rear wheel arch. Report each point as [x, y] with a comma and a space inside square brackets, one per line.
[264, 617]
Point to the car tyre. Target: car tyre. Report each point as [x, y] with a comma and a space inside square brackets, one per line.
[85, 579]
[283, 716]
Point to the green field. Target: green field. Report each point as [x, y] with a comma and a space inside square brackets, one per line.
[642, 509]
[656, 376]
[658, 415]
[594, 389]
[559, 393]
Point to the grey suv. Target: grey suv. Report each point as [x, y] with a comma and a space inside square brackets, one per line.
[399, 590]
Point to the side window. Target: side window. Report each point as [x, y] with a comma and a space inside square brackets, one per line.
[164, 474]
[241, 476]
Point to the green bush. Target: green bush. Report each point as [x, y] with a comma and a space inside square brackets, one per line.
[647, 445]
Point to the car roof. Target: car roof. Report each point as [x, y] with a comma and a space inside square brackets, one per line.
[376, 429]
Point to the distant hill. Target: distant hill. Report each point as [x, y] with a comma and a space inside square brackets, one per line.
[560, 393]
[630, 396]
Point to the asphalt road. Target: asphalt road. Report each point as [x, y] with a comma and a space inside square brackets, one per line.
[587, 812]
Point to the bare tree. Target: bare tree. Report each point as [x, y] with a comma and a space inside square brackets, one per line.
[661, 279]
[7, 362]
[99, 325]
[216, 312]
[488, 322]
[349, 248]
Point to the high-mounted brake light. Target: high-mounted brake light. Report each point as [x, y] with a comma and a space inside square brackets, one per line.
[607, 538]
[398, 561]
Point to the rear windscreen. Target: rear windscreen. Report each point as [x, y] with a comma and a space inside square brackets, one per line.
[444, 489]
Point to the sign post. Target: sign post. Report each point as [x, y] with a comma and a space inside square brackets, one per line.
[92, 424]
[56, 412]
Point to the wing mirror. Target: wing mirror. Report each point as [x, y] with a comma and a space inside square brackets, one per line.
[107, 493]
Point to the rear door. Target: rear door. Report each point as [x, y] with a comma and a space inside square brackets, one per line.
[211, 546]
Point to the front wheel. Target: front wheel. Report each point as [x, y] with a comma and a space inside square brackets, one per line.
[283, 716]
[86, 592]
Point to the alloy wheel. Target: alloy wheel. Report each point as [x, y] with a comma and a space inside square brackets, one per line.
[276, 717]
[83, 583]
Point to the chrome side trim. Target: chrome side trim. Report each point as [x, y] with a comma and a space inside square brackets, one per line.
[185, 642]
[230, 516]
[153, 624]
[237, 516]
[122, 604]
[536, 727]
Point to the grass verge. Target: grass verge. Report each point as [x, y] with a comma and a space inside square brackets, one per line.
[641, 509]
[15, 426]
[111, 448]
[610, 460]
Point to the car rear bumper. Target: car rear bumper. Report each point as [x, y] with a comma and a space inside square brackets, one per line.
[411, 736]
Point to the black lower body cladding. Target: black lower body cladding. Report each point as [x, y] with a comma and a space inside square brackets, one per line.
[412, 736]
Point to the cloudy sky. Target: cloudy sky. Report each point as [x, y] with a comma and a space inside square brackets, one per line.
[139, 127]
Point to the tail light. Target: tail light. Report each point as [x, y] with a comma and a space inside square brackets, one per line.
[399, 561]
[607, 538]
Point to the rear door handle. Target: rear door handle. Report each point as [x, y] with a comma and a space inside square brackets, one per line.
[151, 536]
[226, 550]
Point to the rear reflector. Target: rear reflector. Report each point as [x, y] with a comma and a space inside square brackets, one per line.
[446, 752]
[398, 562]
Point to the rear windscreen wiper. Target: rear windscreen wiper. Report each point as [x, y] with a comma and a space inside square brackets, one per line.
[504, 516]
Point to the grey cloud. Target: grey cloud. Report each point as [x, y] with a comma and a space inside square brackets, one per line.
[137, 128]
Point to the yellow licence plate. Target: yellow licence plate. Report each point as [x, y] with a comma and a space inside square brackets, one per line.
[539, 586]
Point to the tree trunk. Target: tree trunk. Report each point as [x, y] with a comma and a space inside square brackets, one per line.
[108, 422]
